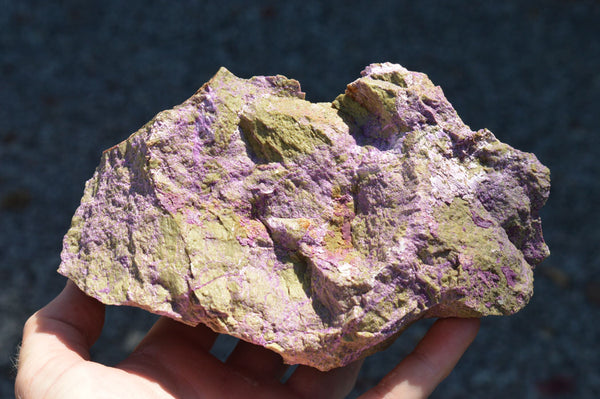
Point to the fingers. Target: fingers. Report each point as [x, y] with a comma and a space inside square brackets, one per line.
[176, 356]
[430, 362]
[172, 347]
[200, 337]
[58, 336]
[308, 382]
[179, 357]
[257, 361]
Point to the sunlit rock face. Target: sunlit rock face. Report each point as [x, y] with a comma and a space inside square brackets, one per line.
[319, 231]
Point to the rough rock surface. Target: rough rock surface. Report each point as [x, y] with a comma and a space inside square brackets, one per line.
[319, 231]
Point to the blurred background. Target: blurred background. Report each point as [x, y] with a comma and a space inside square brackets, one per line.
[78, 77]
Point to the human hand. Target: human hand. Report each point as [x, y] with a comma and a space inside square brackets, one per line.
[173, 361]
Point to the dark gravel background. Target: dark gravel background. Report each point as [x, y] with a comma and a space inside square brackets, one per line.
[78, 77]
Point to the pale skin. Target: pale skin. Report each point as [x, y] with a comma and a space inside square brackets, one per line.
[173, 361]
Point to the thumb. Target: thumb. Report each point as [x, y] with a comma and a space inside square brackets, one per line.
[58, 336]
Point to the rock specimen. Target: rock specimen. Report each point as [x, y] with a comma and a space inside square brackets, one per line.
[319, 231]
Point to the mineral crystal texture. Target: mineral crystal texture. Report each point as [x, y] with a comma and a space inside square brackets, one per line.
[317, 230]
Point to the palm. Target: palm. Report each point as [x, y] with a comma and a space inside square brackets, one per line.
[148, 374]
[173, 361]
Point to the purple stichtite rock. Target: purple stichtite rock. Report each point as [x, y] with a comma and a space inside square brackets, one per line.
[319, 231]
